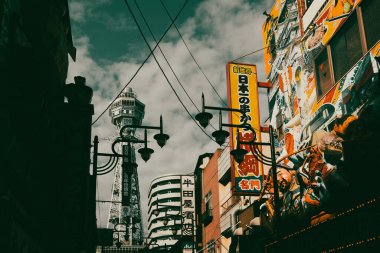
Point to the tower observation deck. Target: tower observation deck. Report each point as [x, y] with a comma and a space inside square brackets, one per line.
[126, 206]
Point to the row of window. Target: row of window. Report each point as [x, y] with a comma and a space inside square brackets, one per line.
[124, 102]
[162, 183]
[165, 192]
[167, 200]
[166, 228]
[117, 112]
[358, 34]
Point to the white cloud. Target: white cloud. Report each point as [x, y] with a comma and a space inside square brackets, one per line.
[77, 11]
[229, 29]
[87, 11]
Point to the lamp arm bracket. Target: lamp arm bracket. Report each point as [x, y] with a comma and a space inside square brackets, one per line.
[223, 109]
[233, 125]
[255, 143]
[137, 126]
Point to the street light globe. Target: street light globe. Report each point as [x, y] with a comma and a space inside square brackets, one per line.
[174, 231]
[161, 139]
[220, 136]
[238, 154]
[165, 221]
[203, 118]
[156, 212]
[145, 153]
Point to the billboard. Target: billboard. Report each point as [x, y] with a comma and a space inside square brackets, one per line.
[242, 91]
[303, 115]
[187, 205]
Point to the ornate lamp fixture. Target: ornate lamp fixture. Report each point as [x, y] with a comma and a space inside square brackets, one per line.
[239, 153]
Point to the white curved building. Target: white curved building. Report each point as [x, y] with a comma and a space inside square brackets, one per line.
[173, 196]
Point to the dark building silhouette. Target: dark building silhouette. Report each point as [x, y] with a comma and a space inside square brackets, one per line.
[47, 195]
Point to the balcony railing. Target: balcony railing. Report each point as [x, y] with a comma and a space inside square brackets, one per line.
[229, 203]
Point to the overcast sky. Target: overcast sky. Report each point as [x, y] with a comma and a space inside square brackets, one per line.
[110, 49]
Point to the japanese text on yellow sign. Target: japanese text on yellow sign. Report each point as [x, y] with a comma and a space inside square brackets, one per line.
[243, 95]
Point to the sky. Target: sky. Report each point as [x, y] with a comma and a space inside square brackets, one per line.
[110, 49]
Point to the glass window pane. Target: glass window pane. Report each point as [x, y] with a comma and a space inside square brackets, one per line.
[346, 47]
[370, 11]
[323, 74]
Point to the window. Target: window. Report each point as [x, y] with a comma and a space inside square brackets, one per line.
[370, 14]
[323, 75]
[346, 48]
[208, 202]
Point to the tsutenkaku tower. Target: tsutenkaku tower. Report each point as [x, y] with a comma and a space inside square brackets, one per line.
[126, 110]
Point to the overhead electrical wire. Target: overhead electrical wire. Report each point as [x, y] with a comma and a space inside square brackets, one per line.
[196, 62]
[191, 54]
[142, 64]
[248, 54]
[159, 48]
[167, 61]
[163, 72]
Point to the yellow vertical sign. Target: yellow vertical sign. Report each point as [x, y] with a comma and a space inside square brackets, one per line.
[247, 177]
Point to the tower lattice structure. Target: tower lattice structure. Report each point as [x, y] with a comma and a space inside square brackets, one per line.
[126, 110]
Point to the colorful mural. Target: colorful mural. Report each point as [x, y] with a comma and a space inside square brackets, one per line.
[247, 176]
[304, 120]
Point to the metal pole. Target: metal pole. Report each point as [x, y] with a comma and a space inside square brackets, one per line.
[129, 173]
[95, 167]
[277, 221]
[95, 175]
[124, 199]
[192, 235]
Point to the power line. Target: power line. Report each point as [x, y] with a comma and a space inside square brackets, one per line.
[154, 38]
[253, 52]
[167, 61]
[146, 59]
[196, 62]
[163, 72]
[191, 54]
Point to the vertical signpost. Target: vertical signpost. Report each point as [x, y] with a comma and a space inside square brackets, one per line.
[188, 207]
[247, 177]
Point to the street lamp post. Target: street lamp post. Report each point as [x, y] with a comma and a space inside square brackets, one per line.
[129, 166]
[220, 136]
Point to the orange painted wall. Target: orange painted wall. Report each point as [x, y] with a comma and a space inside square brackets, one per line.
[210, 183]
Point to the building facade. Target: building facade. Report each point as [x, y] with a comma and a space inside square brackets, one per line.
[321, 58]
[47, 193]
[237, 216]
[208, 201]
[171, 211]
[223, 217]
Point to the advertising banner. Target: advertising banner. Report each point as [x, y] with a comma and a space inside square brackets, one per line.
[187, 205]
[243, 94]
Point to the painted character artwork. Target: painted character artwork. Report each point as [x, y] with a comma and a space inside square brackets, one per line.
[317, 113]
